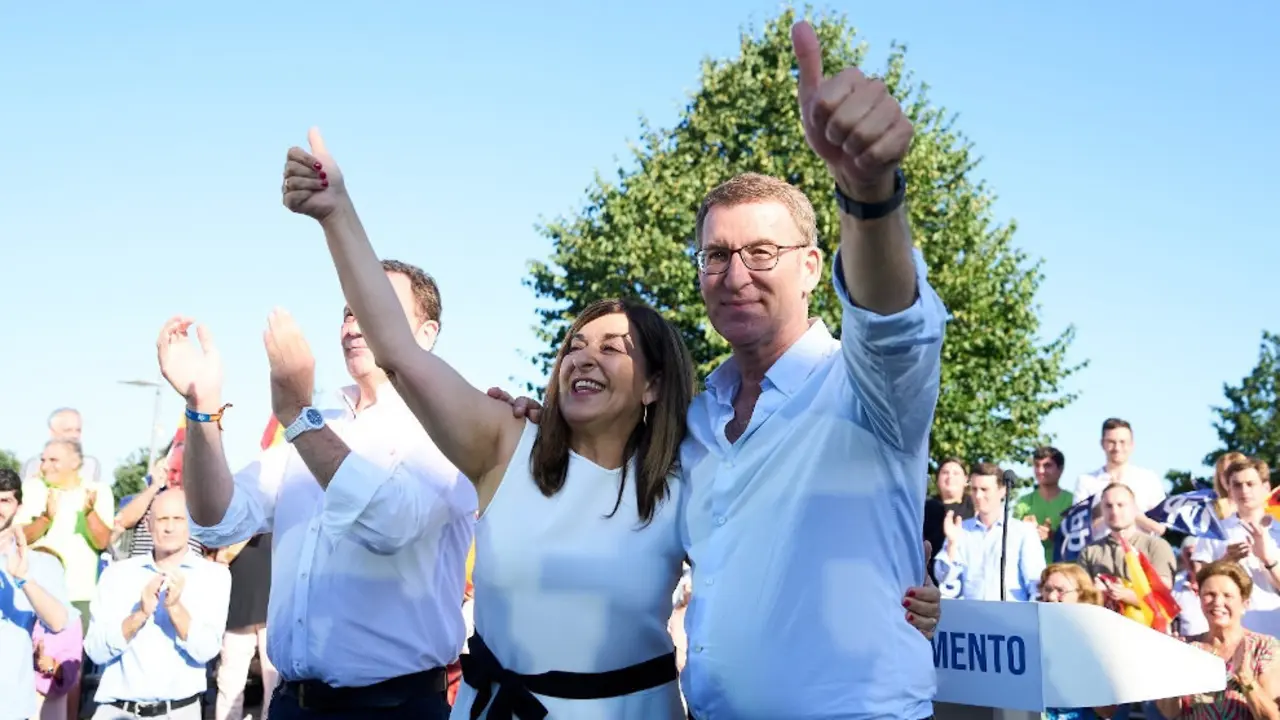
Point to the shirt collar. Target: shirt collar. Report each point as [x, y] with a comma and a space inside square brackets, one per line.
[384, 393]
[787, 373]
[187, 562]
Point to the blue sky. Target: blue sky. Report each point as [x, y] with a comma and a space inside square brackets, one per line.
[143, 143]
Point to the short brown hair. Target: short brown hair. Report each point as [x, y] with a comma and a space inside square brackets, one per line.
[754, 188]
[1230, 570]
[1248, 463]
[953, 460]
[426, 295]
[987, 469]
[1050, 453]
[1116, 424]
[654, 444]
[1119, 486]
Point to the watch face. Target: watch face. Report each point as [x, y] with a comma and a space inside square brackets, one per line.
[314, 417]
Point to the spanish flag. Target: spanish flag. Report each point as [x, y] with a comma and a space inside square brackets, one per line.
[273, 435]
[1273, 504]
[1158, 608]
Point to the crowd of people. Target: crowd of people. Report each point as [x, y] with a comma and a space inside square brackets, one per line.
[641, 550]
[1219, 592]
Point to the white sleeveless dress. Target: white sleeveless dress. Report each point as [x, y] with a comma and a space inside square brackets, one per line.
[560, 586]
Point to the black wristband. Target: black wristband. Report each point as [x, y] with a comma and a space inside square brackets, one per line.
[875, 211]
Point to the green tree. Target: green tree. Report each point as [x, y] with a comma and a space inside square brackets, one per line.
[10, 461]
[131, 474]
[1183, 481]
[1249, 422]
[634, 237]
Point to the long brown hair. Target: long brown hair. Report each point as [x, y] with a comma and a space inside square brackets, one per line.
[654, 443]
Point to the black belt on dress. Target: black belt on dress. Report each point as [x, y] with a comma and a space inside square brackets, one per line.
[152, 709]
[320, 697]
[515, 696]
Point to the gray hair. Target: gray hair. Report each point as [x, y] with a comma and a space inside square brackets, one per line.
[64, 410]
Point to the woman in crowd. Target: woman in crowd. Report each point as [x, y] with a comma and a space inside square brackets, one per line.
[1223, 507]
[1253, 674]
[57, 664]
[578, 548]
[1069, 583]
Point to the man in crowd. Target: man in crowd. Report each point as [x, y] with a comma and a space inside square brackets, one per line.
[1148, 488]
[166, 474]
[969, 565]
[32, 590]
[1106, 556]
[361, 505]
[155, 623]
[806, 457]
[65, 424]
[1042, 508]
[1253, 540]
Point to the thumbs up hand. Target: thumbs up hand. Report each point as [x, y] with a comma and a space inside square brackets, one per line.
[312, 181]
[851, 121]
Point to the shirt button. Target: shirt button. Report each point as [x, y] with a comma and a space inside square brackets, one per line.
[719, 519]
[698, 649]
[711, 581]
[299, 621]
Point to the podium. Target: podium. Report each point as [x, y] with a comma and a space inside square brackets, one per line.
[1007, 660]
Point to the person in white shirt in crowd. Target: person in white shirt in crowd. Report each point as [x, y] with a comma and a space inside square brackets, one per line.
[1148, 487]
[156, 622]
[1191, 619]
[66, 424]
[32, 584]
[968, 567]
[370, 523]
[1253, 540]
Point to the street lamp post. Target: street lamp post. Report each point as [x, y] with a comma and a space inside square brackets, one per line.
[155, 415]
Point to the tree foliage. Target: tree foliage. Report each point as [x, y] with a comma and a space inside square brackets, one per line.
[633, 237]
[10, 461]
[131, 475]
[1249, 422]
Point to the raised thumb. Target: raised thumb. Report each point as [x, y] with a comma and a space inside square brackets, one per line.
[316, 142]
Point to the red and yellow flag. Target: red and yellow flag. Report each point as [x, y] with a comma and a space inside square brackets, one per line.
[1273, 504]
[273, 434]
[1158, 606]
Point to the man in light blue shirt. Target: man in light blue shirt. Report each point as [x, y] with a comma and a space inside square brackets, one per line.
[32, 588]
[156, 621]
[969, 565]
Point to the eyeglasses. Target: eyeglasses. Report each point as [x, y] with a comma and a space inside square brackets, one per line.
[1048, 590]
[762, 256]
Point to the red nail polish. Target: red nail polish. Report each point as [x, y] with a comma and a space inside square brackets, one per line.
[323, 176]
[906, 603]
[910, 617]
[317, 166]
[324, 183]
[911, 593]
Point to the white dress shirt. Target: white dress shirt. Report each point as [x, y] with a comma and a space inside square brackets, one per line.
[1148, 488]
[367, 577]
[1263, 612]
[804, 534]
[975, 572]
[155, 664]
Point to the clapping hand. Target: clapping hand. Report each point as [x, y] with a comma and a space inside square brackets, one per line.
[151, 595]
[851, 121]
[172, 587]
[196, 373]
[312, 181]
[17, 564]
[45, 664]
[90, 497]
[1256, 540]
[293, 368]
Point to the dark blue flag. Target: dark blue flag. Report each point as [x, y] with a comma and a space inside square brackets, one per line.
[1074, 532]
[1190, 513]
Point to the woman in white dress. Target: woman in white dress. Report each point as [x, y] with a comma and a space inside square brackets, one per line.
[577, 546]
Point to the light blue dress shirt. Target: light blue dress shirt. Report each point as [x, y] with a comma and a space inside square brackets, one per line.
[367, 577]
[17, 622]
[975, 573]
[806, 532]
[156, 665]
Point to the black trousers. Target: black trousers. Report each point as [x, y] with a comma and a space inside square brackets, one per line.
[427, 706]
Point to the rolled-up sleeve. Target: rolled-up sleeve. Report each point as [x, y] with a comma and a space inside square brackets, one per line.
[105, 640]
[384, 506]
[253, 501]
[208, 610]
[895, 361]
[949, 573]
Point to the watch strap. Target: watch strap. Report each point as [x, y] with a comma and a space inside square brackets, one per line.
[301, 424]
[19, 582]
[876, 210]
